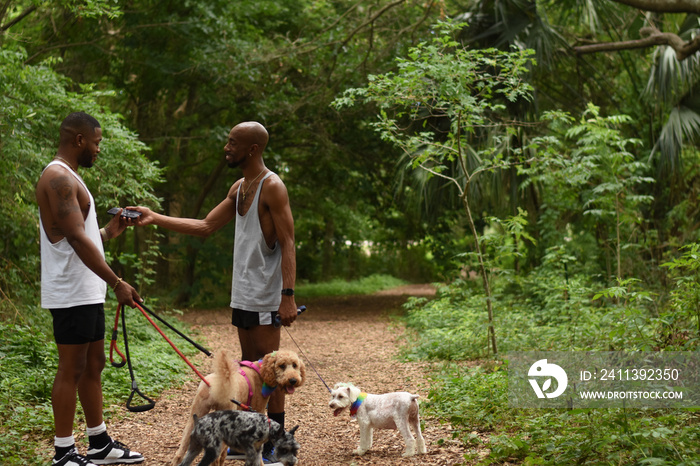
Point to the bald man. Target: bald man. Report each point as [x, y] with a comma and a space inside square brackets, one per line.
[264, 256]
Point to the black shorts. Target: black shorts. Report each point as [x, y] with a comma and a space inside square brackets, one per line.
[247, 319]
[78, 325]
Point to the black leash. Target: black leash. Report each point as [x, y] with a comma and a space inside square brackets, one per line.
[143, 307]
[134, 386]
[308, 360]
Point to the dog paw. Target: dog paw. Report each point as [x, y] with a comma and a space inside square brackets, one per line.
[359, 452]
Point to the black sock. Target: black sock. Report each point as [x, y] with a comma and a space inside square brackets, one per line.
[99, 441]
[277, 417]
[63, 451]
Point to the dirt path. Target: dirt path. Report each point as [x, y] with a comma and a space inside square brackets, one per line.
[347, 340]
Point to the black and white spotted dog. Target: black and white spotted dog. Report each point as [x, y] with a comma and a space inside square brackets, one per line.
[243, 431]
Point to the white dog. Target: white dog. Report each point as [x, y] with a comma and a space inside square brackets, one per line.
[397, 410]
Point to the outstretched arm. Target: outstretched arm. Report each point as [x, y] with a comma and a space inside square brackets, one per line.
[215, 220]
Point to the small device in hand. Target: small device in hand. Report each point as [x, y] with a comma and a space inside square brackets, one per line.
[125, 212]
[278, 319]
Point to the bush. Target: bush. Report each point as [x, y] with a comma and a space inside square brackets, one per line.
[474, 400]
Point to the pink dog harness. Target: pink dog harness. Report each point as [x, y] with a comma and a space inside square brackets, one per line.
[266, 389]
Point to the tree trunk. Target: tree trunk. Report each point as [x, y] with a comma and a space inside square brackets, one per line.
[482, 268]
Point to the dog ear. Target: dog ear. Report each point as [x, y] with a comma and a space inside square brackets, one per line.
[293, 429]
[302, 371]
[267, 369]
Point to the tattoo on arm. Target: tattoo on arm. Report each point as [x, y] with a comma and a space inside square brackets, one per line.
[66, 198]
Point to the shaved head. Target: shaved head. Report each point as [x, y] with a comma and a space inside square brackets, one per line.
[75, 123]
[252, 132]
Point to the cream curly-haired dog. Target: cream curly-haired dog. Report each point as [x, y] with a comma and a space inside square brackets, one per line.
[249, 383]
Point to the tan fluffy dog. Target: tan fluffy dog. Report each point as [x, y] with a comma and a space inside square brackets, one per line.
[282, 369]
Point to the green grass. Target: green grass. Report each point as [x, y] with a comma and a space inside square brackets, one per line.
[452, 328]
[367, 285]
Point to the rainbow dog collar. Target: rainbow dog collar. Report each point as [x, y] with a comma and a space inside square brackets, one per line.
[356, 404]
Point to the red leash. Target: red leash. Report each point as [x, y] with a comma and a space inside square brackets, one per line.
[113, 344]
[172, 344]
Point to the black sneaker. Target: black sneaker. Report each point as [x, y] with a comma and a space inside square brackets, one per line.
[72, 459]
[114, 453]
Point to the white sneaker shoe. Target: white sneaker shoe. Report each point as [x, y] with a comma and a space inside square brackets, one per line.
[114, 453]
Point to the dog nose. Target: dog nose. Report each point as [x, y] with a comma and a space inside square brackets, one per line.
[293, 382]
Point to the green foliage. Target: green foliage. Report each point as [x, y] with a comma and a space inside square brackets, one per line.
[367, 285]
[446, 92]
[545, 311]
[679, 322]
[475, 401]
[34, 101]
[469, 395]
[560, 205]
[611, 177]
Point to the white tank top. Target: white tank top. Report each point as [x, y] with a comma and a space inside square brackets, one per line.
[257, 269]
[65, 279]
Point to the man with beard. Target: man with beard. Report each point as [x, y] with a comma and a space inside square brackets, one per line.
[74, 275]
[264, 256]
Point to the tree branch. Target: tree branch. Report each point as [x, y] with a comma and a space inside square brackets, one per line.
[664, 6]
[653, 37]
[344, 41]
[19, 18]
[3, 11]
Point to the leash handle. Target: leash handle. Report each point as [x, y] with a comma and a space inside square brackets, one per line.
[140, 408]
[113, 343]
[278, 319]
[134, 387]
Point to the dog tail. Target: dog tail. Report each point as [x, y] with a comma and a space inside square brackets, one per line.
[224, 368]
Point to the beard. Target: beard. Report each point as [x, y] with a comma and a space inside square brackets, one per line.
[85, 158]
[235, 162]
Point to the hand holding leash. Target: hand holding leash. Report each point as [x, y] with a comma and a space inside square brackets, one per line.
[278, 320]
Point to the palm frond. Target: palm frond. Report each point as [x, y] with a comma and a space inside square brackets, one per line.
[682, 126]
